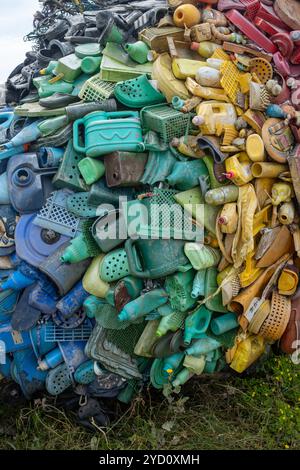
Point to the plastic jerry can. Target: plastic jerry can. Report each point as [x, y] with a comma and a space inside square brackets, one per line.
[68, 68]
[107, 132]
[247, 352]
[196, 324]
[238, 168]
[213, 116]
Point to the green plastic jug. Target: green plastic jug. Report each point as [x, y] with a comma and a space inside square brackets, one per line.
[155, 258]
[196, 324]
[91, 65]
[182, 377]
[138, 51]
[202, 256]
[91, 169]
[50, 126]
[223, 195]
[68, 68]
[107, 132]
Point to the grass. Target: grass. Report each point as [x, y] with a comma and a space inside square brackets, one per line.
[211, 413]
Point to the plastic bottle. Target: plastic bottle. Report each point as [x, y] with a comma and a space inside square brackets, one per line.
[50, 126]
[78, 250]
[138, 51]
[205, 48]
[172, 363]
[199, 284]
[17, 281]
[220, 196]
[92, 305]
[182, 377]
[195, 364]
[224, 323]
[202, 346]
[51, 360]
[201, 256]
[144, 304]
[196, 324]
[170, 323]
[247, 352]
[27, 135]
[208, 76]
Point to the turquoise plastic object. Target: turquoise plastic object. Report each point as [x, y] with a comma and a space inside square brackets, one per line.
[199, 284]
[172, 363]
[224, 323]
[275, 111]
[107, 132]
[138, 92]
[196, 324]
[46, 89]
[159, 166]
[4, 194]
[203, 345]
[93, 305]
[90, 65]
[185, 175]
[85, 374]
[144, 304]
[91, 49]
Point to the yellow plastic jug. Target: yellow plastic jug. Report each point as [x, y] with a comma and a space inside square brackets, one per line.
[247, 352]
[214, 116]
[238, 168]
[91, 280]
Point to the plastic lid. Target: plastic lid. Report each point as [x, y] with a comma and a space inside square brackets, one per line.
[194, 46]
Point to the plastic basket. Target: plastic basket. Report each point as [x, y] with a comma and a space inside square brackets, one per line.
[55, 216]
[166, 121]
[96, 89]
[276, 322]
[54, 333]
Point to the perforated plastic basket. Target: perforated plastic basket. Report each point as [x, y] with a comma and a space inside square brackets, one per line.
[165, 120]
[54, 333]
[55, 216]
[96, 89]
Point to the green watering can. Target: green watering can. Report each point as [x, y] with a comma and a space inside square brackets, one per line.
[155, 258]
[107, 132]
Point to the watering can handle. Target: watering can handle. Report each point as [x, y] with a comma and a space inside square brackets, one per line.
[76, 144]
[133, 259]
[122, 114]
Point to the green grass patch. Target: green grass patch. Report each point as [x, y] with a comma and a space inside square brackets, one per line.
[212, 412]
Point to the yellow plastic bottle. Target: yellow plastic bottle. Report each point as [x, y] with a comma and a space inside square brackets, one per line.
[238, 168]
[91, 280]
[183, 68]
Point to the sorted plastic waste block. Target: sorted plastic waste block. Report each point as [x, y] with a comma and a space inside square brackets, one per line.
[149, 187]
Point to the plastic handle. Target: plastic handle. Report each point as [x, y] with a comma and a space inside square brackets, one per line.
[133, 260]
[122, 114]
[76, 144]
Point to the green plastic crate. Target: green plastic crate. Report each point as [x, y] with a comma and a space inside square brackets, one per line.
[165, 120]
[115, 71]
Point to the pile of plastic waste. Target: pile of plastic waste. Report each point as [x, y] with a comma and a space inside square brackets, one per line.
[149, 193]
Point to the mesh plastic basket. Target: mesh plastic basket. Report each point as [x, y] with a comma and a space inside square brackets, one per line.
[166, 218]
[276, 322]
[55, 216]
[96, 89]
[165, 120]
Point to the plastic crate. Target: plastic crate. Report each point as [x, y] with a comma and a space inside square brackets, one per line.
[96, 89]
[166, 121]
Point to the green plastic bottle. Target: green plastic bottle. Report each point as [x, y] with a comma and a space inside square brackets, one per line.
[203, 345]
[196, 324]
[199, 284]
[90, 65]
[220, 196]
[50, 126]
[138, 51]
[182, 377]
[170, 323]
[91, 169]
[50, 68]
[78, 250]
[92, 305]
[224, 323]
[202, 256]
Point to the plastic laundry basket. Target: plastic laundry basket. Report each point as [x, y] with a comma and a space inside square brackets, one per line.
[166, 121]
